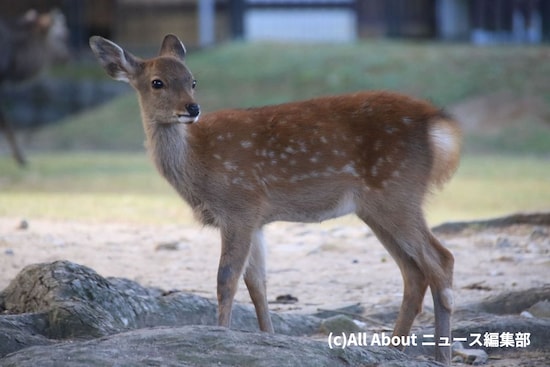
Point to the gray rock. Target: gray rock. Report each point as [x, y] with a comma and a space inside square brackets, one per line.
[537, 219]
[339, 324]
[512, 302]
[537, 329]
[64, 314]
[64, 300]
[469, 356]
[540, 309]
[203, 346]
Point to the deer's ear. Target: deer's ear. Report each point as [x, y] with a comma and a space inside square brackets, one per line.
[172, 46]
[119, 64]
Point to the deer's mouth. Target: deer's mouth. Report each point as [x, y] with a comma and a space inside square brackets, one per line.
[186, 118]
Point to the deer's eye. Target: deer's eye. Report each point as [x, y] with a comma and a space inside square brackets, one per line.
[194, 84]
[157, 84]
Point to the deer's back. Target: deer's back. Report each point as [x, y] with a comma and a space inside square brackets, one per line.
[291, 159]
[365, 135]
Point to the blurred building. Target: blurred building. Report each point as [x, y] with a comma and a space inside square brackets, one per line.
[205, 22]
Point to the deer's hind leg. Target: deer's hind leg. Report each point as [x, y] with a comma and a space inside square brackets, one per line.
[423, 262]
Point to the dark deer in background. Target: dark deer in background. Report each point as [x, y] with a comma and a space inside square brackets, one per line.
[27, 46]
[375, 154]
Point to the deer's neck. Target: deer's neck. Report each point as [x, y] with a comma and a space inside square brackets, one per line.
[168, 145]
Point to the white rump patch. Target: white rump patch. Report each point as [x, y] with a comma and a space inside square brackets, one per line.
[443, 139]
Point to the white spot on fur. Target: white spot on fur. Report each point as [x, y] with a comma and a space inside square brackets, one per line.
[271, 178]
[350, 169]
[230, 166]
[298, 178]
[290, 150]
[246, 144]
[407, 120]
[217, 156]
[241, 182]
[323, 140]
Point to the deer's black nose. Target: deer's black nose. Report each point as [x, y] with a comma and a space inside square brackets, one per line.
[193, 109]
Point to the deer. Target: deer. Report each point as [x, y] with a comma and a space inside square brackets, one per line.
[34, 42]
[375, 154]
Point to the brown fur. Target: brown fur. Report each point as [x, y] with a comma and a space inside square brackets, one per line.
[375, 154]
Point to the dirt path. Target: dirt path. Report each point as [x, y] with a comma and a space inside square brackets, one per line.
[324, 266]
[321, 265]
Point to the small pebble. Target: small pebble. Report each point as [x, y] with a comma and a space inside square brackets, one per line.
[503, 242]
[469, 356]
[23, 225]
[286, 299]
[168, 246]
[527, 315]
[539, 233]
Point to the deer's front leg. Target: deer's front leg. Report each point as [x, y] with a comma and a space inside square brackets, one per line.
[234, 255]
[255, 280]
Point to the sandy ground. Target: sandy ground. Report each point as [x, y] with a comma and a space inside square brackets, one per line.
[325, 266]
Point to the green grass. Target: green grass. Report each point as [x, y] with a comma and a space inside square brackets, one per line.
[487, 186]
[124, 187]
[91, 187]
[246, 75]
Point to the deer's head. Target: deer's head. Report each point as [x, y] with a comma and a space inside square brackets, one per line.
[164, 84]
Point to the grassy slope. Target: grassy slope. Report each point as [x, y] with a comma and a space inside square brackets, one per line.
[125, 187]
[244, 75]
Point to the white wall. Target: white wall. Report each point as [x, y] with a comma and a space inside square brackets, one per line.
[301, 25]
